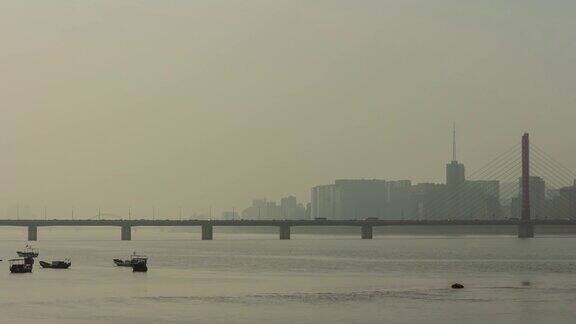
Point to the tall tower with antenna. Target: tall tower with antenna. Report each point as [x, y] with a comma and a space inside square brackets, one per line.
[455, 172]
[454, 142]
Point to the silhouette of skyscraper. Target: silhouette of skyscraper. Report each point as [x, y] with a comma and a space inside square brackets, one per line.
[455, 172]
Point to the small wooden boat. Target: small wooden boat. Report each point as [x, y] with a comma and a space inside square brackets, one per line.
[29, 252]
[21, 265]
[139, 263]
[56, 264]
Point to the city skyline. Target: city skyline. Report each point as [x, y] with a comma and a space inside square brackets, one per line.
[378, 198]
[287, 161]
[111, 103]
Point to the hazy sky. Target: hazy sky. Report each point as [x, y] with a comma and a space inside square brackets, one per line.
[215, 102]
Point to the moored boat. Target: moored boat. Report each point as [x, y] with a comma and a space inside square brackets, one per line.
[139, 263]
[21, 265]
[65, 264]
[129, 262]
[28, 252]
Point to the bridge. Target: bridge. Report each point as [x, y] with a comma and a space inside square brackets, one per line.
[284, 226]
[459, 203]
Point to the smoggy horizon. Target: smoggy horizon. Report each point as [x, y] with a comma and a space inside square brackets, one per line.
[196, 104]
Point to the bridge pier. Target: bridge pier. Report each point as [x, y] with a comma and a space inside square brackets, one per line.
[366, 232]
[126, 233]
[525, 230]
[284, 231]
[207, 232]
[32, 233]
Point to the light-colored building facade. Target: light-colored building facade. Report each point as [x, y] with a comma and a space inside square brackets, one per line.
[323, 202]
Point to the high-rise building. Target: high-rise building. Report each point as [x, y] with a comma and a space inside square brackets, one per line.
[429, 200]
[360, 198]
[291, 209]
[465, 199]
[394, 187]
[399, 200]
[455, 172]
[323, 202]
[350, 199]
[567, 202]
[260, 209]
[487, 187]
[537, 198]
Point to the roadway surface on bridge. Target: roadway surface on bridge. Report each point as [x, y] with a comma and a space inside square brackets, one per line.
[142, 222]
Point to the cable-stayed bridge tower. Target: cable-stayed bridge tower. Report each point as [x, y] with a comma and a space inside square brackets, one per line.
[523, 185]
[525, 228]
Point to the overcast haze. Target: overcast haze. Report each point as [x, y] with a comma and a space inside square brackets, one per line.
[199, 103]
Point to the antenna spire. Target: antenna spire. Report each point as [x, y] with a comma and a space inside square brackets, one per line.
[454, 142]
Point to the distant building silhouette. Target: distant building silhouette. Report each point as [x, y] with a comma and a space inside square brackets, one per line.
[568, 202]
[561, 203]
[230, 215]
[455, 172]
[537, 199]
[362, 198]
[359, 199]
[289, 208]
[428, 201]
[323, 201]
[458, 198]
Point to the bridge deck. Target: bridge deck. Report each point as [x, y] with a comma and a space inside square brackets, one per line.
[272, 223]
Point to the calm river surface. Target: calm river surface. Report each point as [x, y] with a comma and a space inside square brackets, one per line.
[256, 278]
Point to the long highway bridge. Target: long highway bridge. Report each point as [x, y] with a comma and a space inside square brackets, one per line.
[365, 226]
[525, 224]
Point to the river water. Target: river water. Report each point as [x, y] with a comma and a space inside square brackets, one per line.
[256, 278]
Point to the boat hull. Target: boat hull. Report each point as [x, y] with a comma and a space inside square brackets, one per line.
[27, 254]
[21, 268]
[123, 263]
[140, 267]
[55, 265]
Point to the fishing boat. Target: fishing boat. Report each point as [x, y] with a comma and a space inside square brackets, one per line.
[60, 264]
[21, 265]
[127, 262]
[29, 252]
[139, 263]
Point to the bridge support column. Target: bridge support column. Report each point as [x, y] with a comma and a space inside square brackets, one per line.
[366, 232]
[207, 232]
[284, 232]
[126, 233]
[525, 230]
[32, 233]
